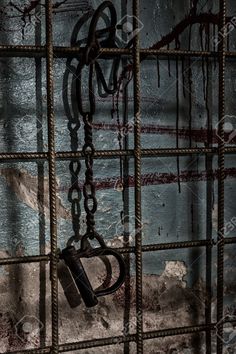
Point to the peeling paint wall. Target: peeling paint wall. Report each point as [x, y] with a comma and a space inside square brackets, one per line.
[179, 99]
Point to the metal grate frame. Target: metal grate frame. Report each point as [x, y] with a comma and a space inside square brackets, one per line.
[52, 156]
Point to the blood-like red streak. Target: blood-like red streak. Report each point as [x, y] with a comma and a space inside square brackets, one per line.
[156, 178]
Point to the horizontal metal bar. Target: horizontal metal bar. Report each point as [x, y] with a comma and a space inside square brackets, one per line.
[45, 350]
[178, 331]
[131, 249]
[146, 152]
[108, 154]
[31, 51]
[167, 246]
[229, 240]
[27, 259]
[97, 154]
[178, 152]
[101, 342]
[23, 156]
[132, 337]
[59, 52]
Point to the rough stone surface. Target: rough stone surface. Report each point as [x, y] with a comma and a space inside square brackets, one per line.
[168, 302]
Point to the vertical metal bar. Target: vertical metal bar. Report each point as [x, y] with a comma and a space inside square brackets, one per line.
[40, 173]
[221, 163]
[126, 208]
[137, 152]
[52, 176]
[209, 193]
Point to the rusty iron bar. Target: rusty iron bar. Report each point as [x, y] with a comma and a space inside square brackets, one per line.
[229, 240]
[101, 342]
[166, 246]
[21, 260]
[31, 51]
[137, 178]
[51, 52]
[221, 166]
[209, 197]
[145, 248]
[109, 154]
[144, 152]
[52, 178]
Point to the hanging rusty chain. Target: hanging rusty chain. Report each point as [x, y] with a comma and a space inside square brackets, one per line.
[89, 58]
[70, 255]
[90, 201]
[71, 111]
[91, 50]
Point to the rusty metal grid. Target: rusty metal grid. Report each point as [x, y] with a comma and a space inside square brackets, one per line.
[137, 153]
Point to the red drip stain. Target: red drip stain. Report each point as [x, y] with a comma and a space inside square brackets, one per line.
[166, 178]
[198, 135]
[185, 23]
[161, 178]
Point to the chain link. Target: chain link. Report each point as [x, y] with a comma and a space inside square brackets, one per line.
[90, 200]
[74, 193]
[74, 197]
[89, 59]
[70, 255]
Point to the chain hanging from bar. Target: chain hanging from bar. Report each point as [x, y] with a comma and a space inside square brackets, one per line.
[70, 255]
[71, 110]
[89, 58]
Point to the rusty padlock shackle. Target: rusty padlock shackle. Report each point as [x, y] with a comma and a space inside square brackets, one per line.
[72, 258]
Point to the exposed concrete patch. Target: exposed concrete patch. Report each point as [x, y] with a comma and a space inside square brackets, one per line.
[175, 269]
[26, 188]
[167, 303]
